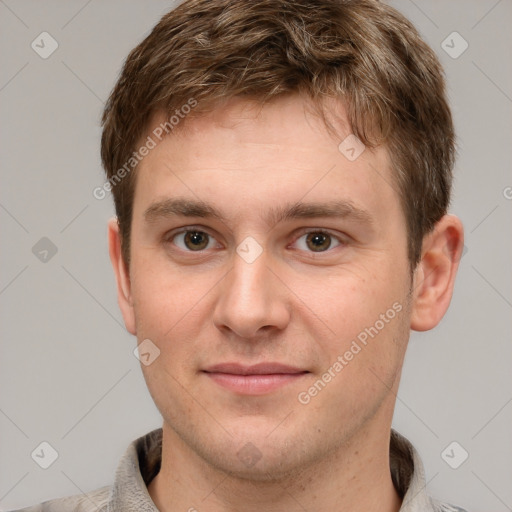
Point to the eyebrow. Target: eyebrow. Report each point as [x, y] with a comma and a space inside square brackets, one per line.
[181, 207]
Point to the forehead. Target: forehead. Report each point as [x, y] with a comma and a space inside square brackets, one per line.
[281, 150]
[290, 122]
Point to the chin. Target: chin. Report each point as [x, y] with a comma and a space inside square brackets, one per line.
[252, 454]
[253, 465]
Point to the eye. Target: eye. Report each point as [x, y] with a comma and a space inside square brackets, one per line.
[193, 240]
[317, 241]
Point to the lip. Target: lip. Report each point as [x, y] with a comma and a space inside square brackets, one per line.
[257, 379]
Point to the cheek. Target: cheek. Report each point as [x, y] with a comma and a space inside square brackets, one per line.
[367, 359]
[170, 308]
[366, 313]
[348, 301]
[160, 292]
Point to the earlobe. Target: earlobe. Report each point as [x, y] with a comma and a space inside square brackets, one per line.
[124, 295]
[434, 277]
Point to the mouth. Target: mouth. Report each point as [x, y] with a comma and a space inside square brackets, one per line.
[257, 379]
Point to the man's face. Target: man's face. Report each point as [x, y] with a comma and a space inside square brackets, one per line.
[254, 287]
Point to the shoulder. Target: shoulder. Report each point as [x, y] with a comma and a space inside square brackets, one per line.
[445, 507]
[95, 501]
[138, 465]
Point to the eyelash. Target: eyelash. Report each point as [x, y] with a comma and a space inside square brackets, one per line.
[169, 238]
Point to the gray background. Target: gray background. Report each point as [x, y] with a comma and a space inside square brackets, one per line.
[67, 372]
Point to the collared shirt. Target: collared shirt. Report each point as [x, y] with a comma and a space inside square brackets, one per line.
[141, 463]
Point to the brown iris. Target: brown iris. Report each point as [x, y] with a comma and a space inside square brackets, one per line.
[196, 240]
[318, 242]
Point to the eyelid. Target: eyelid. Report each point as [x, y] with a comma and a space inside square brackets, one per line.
[305, 231]
[184, 229]
[325, 231]
[170, 235]
[301, 232]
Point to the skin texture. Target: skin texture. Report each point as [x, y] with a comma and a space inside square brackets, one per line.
[293, 305]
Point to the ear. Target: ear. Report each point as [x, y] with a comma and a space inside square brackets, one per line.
[124, 297]
[434, 277]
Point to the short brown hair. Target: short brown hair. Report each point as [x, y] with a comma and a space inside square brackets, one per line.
[362, 52]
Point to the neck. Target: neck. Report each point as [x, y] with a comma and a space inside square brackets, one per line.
[355, 476]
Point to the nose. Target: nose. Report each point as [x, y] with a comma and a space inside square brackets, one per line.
[252, 301]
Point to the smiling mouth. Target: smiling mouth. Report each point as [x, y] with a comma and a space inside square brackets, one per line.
[258, 379]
